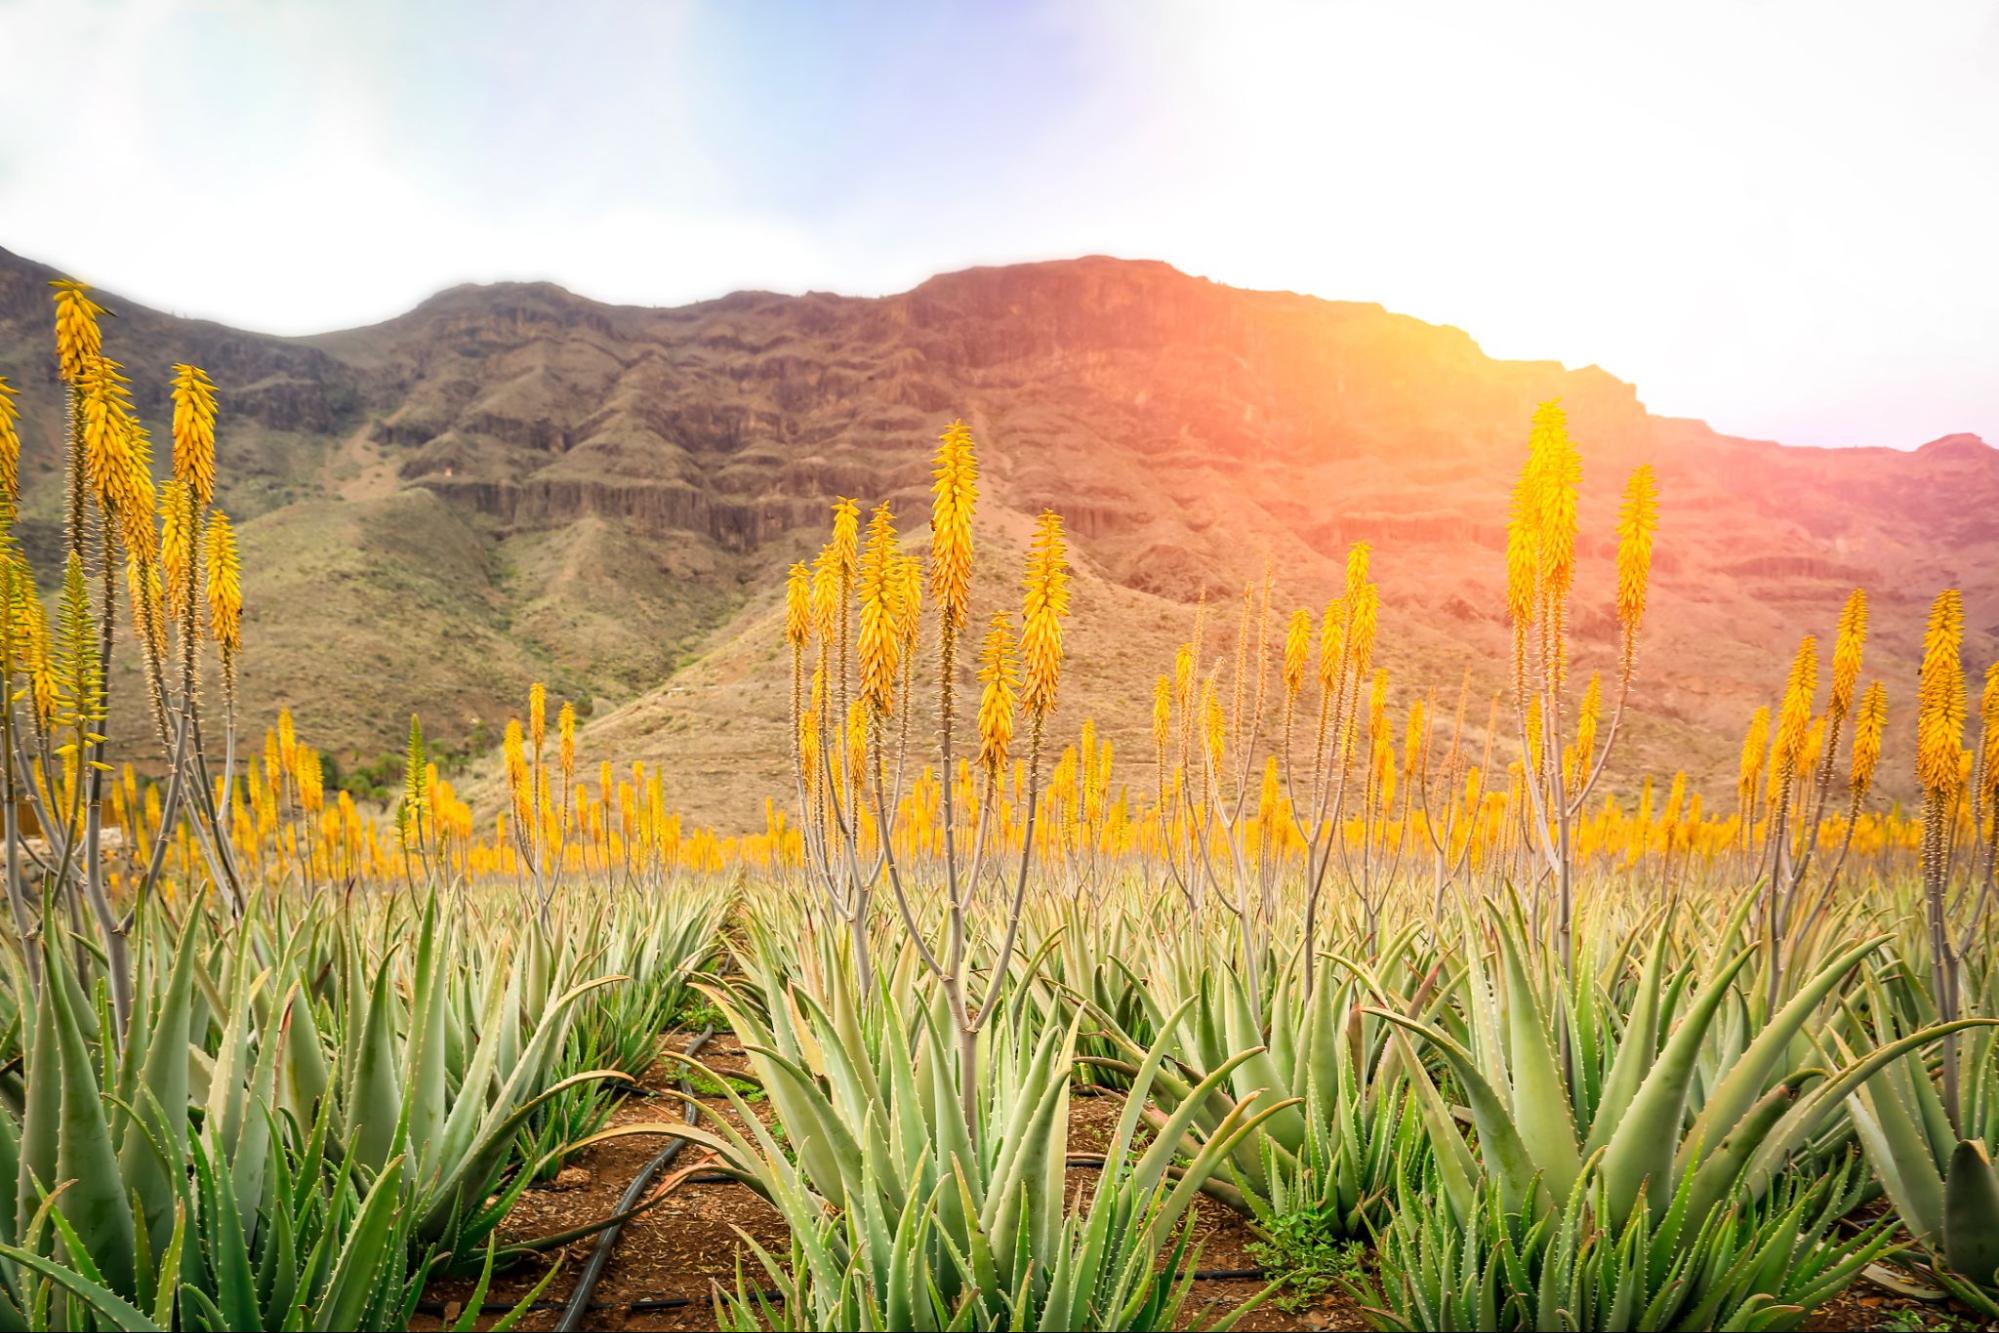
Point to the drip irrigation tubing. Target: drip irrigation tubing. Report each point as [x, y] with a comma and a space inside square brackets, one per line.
[579, 1302]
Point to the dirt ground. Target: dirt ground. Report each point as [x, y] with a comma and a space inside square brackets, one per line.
[680, 1249]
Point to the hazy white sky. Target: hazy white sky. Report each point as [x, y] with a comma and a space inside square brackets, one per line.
[1782, 217]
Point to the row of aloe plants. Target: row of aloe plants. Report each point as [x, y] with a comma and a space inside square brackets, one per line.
[314, 1109]
[230, 1097]
[1652, 1136]
[1656, 1138]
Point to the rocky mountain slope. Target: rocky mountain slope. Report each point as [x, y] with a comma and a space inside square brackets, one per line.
[511, 482]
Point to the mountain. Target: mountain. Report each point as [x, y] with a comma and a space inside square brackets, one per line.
[511, 483]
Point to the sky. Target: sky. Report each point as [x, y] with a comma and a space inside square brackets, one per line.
[1780, 217]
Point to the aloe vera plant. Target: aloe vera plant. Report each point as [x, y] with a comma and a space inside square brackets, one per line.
[1764, 1264]
[657, 943]
[900, 1219]
[226, 1165]
[1935, 1168]
[125, 1216]
[1335, 1151]
[459, 1127]
[1645, 1136]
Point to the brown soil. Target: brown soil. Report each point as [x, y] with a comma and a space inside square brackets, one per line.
[692, 1240]
[679, 1248]
[689, 1242]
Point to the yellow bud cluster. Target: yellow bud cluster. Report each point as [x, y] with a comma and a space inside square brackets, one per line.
[176, 544]
[999, 677]
[1637, 522]
[1297, 653]
[955, 489]
[1332, 643]
[117, 456]
[194, 432]
[1988, 718]
[826, 595]
[565, 733]
[1794, 715]
[1940, 699]
[1848, 645]
[846, 545]
[79, 342]
[1046, 605]
[798, 606]
[1754, 742]
[225, 592]
[10, 446]
[1869, 722]
[880, 644]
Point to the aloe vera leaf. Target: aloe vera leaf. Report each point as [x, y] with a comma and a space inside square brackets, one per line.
[1971, 1214]
[1746, 1079]
[1642, 1147]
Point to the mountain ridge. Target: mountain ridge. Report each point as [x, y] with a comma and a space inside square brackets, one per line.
[512, 481]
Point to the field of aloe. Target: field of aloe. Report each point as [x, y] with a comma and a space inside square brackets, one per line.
[1465, 1027]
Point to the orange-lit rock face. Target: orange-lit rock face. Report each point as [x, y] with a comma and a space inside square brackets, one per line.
[616, 491]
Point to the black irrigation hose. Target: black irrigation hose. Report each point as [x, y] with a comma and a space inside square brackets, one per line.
[579, 1302]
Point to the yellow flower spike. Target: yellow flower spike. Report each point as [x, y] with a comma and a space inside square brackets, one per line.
[1214, 724]
[1332, 644]
[1297, 653]
[857, 741]
[78, 339]
[117, 455]
[43, 684]
[955, 490]
[1045, 606]
[1364, 623]
[1588, 715]
[826, 596]
[1637, 523]
[1794, 715]
[1940, 699]
[514, 752]
[999, 677]
[176, 545]
[880, 645]
[907, 601]
[846, 544]
[1988, 716]
[1359, 557]
[1848, 645]
[225, 594]
[798, 606]
[1560, 479]
[10, 446]
[565, 732]
[194, 432]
